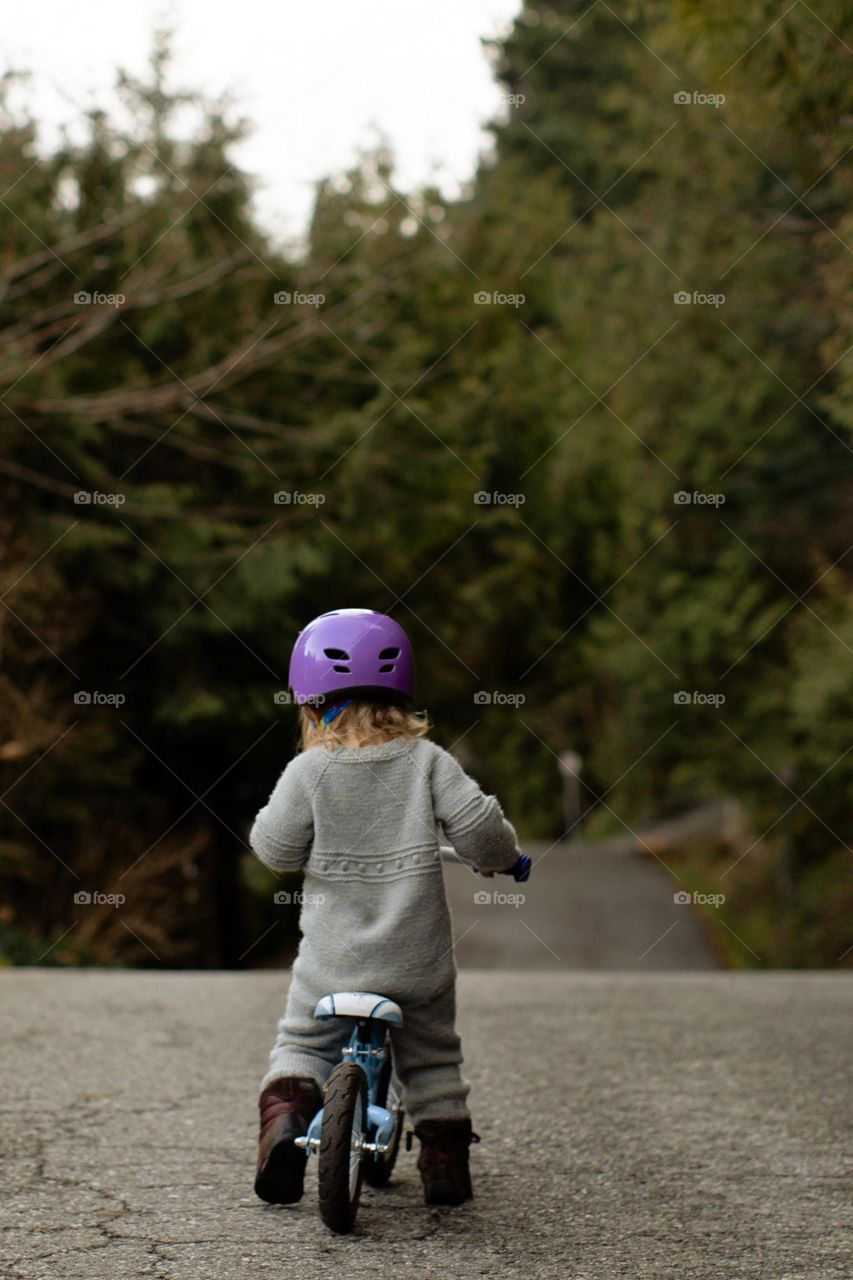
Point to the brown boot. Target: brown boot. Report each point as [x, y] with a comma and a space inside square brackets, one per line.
[287, 1106]
[443, 1162]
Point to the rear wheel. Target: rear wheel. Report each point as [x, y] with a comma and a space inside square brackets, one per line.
[378, 1169]
[341, 1161]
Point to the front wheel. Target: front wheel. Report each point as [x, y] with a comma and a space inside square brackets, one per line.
[341, 1161]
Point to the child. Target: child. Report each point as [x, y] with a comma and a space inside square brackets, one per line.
[357, 809]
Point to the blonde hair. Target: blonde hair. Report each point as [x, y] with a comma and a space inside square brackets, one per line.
[361, 724]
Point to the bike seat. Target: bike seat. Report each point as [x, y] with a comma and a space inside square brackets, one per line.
[359, 1004]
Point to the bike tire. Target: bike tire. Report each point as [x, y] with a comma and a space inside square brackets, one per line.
[378, 1169]
[340, 1169]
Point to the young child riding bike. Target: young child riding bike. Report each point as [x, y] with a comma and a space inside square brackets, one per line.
[357, 811]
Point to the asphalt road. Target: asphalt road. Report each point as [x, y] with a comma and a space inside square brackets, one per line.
[595, 905]
[645, 1125]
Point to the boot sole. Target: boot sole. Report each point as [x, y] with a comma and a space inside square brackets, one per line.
[283, 1179]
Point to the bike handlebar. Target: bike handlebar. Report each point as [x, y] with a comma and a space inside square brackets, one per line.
[520, 869]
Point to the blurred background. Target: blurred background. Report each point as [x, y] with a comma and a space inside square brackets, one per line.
[529, 326]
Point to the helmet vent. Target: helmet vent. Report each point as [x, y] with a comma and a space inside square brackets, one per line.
[339, 667]
[339, 655]
[389, 653]
[389, 666]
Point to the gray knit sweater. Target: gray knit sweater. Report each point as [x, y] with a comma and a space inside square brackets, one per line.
[362, 821]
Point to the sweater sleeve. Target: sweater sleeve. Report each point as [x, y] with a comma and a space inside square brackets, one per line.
[284, 829]
[473, 822]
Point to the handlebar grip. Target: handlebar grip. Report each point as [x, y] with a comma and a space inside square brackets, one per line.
[520, 869]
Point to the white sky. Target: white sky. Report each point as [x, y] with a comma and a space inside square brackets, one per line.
[316, 79]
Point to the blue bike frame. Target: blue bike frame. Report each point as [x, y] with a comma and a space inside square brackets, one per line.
[368, 1049]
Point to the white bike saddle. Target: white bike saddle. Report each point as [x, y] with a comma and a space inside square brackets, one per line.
[359, 1004]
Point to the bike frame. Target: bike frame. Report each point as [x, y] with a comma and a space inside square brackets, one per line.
[368, 1048]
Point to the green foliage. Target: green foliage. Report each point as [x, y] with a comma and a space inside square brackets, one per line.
[595, 594]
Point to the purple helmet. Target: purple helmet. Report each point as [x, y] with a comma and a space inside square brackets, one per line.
[351, 649]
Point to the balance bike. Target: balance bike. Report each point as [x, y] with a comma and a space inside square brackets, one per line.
[358, 1129]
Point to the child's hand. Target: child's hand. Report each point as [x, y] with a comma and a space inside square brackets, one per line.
[520, 870]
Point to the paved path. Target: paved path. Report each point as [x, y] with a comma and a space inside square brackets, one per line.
[597, 905]
[647, 1126]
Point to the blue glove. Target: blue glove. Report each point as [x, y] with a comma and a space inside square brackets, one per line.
[520, 869]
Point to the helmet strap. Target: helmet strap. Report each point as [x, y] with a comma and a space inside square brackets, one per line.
[335, 711]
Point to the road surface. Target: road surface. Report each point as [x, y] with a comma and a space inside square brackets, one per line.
[642, 1125]
[589, 905]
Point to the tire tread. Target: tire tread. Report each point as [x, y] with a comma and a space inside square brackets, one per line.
[346, 1089]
